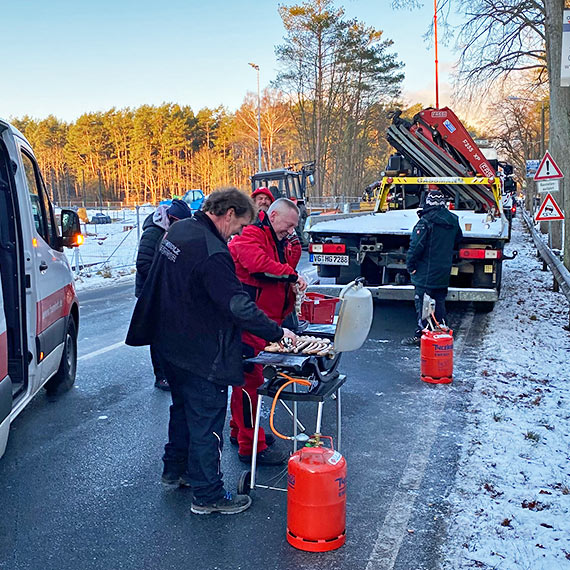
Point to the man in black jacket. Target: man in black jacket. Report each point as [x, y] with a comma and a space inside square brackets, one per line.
[430, 257]
[154, 228]
[193, 309]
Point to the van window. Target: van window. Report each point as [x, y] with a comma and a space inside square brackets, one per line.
[39, 199]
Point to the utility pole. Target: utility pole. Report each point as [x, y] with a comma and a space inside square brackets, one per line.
[259, 151]
[436, 60]
[100, 194]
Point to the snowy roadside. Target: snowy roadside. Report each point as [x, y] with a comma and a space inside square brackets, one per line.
[510, 504]
[108, 255]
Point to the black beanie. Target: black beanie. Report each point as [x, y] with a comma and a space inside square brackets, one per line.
[435, 198]
[179, 210]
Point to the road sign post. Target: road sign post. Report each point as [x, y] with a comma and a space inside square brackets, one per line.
[546, 175]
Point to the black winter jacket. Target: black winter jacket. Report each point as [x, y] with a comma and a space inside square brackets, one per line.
[192, 307]
[433, 240]
[150, 239]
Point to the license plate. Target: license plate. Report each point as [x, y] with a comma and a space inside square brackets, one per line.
[328, 259]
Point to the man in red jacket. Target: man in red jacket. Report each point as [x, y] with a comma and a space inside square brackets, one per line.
[265, 255]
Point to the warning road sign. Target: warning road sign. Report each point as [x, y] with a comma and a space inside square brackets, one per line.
[549, 210]
[548, 169]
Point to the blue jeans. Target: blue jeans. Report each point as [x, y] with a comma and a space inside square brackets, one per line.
[438, 295]
[197, 417]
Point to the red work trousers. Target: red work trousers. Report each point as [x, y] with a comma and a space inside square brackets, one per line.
[244, 402]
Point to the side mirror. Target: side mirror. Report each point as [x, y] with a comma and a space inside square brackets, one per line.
[70, 229]
[311, 179]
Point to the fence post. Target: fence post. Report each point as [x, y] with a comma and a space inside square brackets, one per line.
[138, 226]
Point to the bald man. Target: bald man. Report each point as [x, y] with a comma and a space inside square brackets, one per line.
[266, 261]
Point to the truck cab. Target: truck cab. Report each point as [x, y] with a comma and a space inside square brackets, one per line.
[39, 310]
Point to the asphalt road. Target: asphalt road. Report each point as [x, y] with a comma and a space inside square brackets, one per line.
[80, 480]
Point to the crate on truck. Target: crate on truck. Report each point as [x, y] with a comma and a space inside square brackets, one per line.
[39, 311]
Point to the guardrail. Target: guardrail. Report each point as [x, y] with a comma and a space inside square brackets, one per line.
[560, 273]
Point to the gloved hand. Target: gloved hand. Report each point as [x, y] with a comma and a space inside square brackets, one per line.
[289, 338]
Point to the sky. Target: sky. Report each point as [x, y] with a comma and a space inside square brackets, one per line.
[68, 57]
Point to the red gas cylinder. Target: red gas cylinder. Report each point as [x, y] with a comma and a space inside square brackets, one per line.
[436, 353]
[316, 499]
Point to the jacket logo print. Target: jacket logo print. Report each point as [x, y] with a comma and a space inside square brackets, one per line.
[169, 250]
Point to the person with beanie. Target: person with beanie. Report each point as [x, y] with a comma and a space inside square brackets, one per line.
[154, 228]
[430, 257]
[262, 198]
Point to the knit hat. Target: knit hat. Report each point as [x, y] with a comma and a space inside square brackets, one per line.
[263, 190]
[179, 210]
[435, 198]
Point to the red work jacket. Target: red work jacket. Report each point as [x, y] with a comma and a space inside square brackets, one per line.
[266, 267]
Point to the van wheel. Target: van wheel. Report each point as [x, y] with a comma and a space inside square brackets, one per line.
[64, 378]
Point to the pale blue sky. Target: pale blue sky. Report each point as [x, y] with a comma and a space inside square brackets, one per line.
[67, 57]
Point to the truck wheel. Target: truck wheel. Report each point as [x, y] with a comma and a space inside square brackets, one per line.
[64, 378]
[328, 270]
[484, 306]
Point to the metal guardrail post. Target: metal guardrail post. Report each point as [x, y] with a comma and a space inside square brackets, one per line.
[560, 273]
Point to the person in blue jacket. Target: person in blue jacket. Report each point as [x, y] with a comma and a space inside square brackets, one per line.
[430, 257]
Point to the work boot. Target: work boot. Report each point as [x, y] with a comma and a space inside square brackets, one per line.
[411, 341]
[227, 505]
[269, 439]
[174, 474]
[162, 384]
[268, 456]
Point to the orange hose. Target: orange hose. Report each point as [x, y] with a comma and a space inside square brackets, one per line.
[291, 380]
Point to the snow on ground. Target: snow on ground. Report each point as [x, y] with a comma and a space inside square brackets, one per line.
[109, 252]
[510, 505]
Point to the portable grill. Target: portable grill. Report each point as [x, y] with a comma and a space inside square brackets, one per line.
[321, 372]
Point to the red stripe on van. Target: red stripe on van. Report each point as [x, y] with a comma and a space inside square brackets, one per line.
[3, 355]
[54, 307]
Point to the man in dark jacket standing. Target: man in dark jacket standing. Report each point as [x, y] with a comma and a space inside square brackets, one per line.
[193, 309]
[430, 257]
[154, 228]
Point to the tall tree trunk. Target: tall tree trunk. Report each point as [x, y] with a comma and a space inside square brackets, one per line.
[559, 118]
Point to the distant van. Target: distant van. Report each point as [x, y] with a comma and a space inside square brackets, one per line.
[39, 311]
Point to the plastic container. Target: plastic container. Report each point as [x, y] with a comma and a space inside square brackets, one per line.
[354, 317]
[318, 308]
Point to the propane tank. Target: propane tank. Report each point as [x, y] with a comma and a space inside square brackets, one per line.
[316, 498]
[436, 353]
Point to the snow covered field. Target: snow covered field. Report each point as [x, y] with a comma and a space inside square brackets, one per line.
[510, 506]
[109, 252]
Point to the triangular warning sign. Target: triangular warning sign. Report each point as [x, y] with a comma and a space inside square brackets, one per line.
[548, 169]
[549, 210]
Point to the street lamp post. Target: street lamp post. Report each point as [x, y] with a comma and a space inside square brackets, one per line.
[256, 67]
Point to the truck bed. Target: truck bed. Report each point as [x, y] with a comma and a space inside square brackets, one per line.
[401, 222]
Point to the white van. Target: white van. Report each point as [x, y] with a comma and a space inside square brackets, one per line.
[39, 311]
